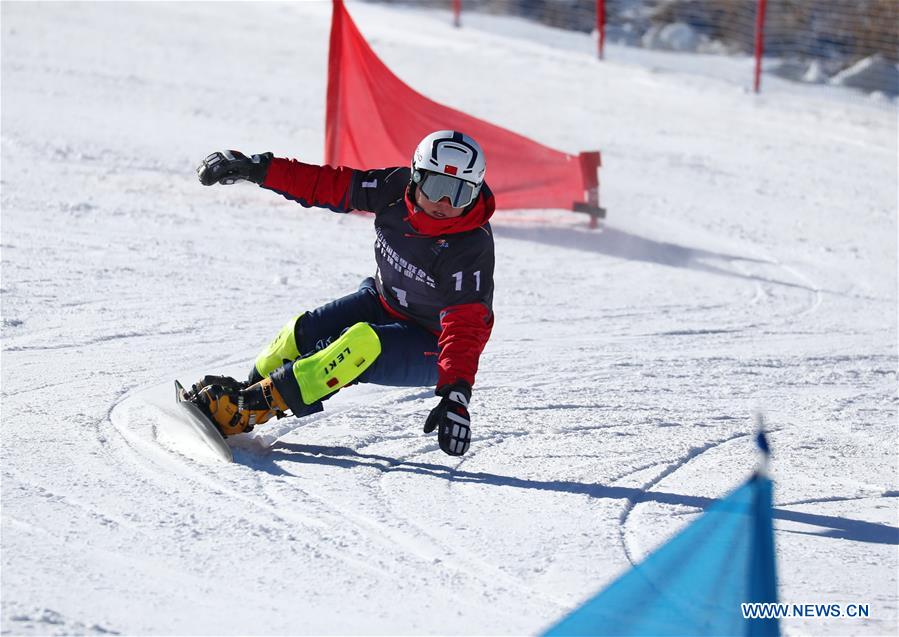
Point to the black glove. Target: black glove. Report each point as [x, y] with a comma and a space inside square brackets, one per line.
[229, 166]
[451, 418]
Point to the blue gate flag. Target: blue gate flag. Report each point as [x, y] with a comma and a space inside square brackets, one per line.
[695, 583]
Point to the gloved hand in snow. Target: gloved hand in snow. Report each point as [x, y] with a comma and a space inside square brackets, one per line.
[451, 418]
[229, 166]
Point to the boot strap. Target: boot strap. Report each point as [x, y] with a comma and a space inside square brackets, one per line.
[267, 394]
[269, 399]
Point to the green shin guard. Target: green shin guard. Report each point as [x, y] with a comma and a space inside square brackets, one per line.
[339, 364]
[281, 350]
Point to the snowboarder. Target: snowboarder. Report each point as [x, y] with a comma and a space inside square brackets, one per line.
[422, 320]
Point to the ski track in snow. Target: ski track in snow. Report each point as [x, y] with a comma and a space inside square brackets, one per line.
[748, 262]
[667, 471]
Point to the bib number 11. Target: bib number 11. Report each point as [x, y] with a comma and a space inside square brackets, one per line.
[477, 280]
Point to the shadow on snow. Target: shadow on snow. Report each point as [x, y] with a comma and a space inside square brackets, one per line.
[624, 245]
[345, 457]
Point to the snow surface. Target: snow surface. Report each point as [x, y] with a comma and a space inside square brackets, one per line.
[748, 261]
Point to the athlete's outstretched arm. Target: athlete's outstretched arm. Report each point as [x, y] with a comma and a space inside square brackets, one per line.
[311, 185]
[307, 184]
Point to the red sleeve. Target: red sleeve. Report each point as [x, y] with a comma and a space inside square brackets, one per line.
[310, 185]
[464, 331]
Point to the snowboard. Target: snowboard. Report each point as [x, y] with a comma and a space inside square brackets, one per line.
[202, 425]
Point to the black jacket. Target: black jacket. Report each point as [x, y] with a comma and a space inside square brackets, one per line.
[437, 273]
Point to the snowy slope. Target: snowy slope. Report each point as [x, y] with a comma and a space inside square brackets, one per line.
[749, 260]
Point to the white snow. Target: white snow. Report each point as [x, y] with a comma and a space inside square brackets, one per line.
[748, 261]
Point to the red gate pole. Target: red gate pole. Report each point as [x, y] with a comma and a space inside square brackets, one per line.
[601, 27]
[457, 13]
[759, 41]
[590, 161]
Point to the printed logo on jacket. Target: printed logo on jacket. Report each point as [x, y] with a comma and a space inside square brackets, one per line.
[401, 265]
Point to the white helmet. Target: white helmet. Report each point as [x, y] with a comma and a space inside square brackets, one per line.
[449, 164]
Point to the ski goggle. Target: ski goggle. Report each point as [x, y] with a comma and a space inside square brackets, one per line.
[436, 186]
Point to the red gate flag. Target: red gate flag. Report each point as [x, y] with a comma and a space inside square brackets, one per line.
[374, 120]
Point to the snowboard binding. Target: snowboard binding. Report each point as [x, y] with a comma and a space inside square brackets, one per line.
[235, 407]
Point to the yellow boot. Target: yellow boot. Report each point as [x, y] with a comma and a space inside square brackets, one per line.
[236, 410]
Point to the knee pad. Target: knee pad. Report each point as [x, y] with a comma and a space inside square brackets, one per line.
[339, 364]
[282, 349]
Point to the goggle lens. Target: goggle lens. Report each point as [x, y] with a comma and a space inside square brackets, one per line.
[436, 186]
